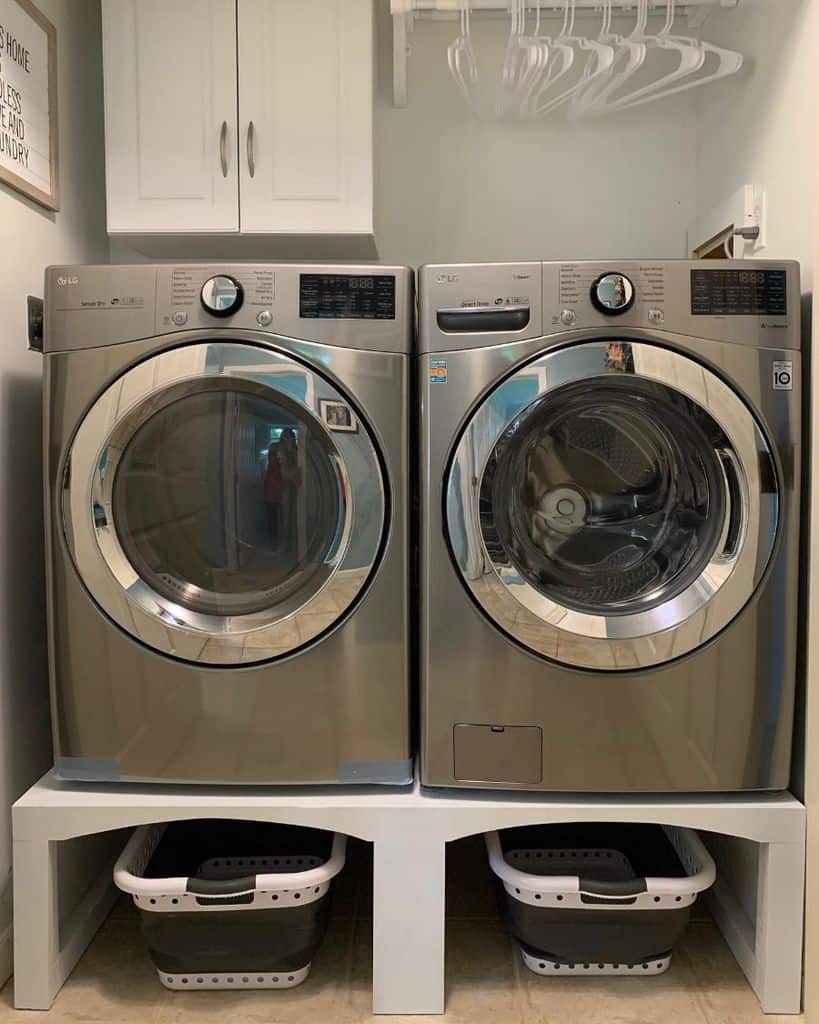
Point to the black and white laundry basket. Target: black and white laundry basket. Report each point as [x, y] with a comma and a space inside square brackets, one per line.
[231, 904]
[598, 899]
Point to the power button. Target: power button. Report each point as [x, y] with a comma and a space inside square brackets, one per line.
[265, 318]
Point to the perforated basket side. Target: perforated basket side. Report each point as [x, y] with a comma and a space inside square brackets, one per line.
[564, 890]
[701, 871]
[280, 882]
[134, 859]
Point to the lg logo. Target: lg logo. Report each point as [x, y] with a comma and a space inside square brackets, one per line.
[62, 280]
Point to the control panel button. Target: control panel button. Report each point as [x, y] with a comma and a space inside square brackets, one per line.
[265, 318]
[180, 318]
[656, 316]
[568, 317]
[612, 294]
[222, 295]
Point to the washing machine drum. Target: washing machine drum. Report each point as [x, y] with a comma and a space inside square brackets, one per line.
[626, 510]
[224, 504]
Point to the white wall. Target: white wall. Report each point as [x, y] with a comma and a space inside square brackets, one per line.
[31, 238]
[759, 127]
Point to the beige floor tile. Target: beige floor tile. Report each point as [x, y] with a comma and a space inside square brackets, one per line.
[724, 994]
[114, 983]
[481, 977]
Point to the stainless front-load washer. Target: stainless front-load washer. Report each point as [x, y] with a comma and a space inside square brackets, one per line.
[226, 477]
[610, 498]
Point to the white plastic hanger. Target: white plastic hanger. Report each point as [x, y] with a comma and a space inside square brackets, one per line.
[599, 61]
[561, 58]
[629, 55]
[691, 60]
[463, 65]
[729, 62]
[524, 65]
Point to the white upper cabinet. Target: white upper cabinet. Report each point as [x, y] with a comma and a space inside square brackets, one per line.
[280, 143]
[171, 115]
[305, 104]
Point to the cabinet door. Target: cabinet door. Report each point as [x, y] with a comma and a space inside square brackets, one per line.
[305, 115]
[171, 115]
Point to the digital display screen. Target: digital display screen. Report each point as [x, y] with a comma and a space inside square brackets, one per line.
[347, 297]
[739, 293]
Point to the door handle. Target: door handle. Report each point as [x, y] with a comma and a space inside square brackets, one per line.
[223, 154]
[251, 146]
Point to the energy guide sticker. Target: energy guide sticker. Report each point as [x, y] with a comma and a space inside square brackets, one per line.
[437, 371]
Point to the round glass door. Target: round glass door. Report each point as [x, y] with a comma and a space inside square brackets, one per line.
[216, 519]
[623, 505]
[230, 502]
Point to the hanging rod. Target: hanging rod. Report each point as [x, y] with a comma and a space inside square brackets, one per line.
[546, 6]
[404, 13]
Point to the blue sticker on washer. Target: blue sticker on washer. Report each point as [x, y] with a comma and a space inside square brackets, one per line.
[437, 371]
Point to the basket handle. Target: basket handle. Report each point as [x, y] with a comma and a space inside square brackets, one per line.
[214, 888]
[625, 890]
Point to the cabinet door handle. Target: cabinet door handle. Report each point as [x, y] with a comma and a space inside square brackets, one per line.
[223, 154]
[251, 155]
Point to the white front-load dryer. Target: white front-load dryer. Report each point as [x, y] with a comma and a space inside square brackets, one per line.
[610, 485]
[226, 478]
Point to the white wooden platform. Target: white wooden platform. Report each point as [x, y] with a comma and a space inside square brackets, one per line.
[409, 829]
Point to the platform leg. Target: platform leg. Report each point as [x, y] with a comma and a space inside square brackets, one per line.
[36, 924]
[408, 923]
[780, 929]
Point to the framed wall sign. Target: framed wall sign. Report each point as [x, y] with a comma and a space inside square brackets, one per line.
[28, 102]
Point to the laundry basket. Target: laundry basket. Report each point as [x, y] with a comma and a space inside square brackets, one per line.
[231, 904]
[598, 899]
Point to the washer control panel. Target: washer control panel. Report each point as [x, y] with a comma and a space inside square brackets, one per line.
[479, 305]
[751, 292]
[739, 301]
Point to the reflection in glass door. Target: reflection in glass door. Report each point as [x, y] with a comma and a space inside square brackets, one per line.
[228, 501]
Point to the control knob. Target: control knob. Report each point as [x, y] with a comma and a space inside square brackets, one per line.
[612, 294]
[222, 295]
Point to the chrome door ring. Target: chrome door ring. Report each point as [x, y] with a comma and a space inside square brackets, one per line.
[90, 528]
[618, 641]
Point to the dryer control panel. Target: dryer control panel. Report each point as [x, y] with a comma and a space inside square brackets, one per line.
[357, 307]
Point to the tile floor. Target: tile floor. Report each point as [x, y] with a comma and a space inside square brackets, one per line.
[114, 983]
